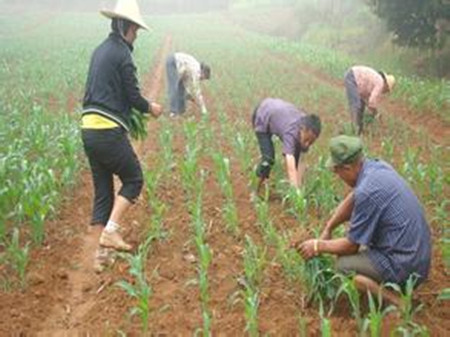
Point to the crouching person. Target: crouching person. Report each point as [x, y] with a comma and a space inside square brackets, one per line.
[295, 128]
[385, 217]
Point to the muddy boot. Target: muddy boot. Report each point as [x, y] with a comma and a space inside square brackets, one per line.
[114, 240]
[104, 257]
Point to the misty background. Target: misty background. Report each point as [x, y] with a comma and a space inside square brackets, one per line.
[412, 31]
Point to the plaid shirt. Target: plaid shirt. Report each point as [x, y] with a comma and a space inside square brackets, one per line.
[370, 85]
[388, 218]
[189, 71]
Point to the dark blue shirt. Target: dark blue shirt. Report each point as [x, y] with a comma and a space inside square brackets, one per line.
[389, 220]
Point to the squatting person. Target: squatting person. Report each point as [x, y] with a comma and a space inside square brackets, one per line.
[184, 74]
[388, 238]
[112, 90]
[364, 87]
[296, 129]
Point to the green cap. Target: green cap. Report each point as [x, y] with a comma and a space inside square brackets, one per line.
[344, 150]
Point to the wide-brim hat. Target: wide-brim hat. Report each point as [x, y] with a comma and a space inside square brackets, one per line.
[126, 9]
[390, 81]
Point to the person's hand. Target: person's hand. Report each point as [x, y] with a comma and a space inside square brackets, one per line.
[308, 249]
[156, 109]
[204, 111]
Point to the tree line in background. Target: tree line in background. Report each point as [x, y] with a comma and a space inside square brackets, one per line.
[415, 23]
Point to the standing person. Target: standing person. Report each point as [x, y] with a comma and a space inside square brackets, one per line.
[365, 86]
[296, 129]
[385, 217]
[112, 90]
[184, 74]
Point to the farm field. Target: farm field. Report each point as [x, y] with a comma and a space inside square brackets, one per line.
[208, 260]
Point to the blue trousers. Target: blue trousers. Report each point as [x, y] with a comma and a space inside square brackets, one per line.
[175, 87]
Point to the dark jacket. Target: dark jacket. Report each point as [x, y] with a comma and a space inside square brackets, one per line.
[112, 88]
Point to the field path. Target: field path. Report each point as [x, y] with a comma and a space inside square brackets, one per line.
[67, 317]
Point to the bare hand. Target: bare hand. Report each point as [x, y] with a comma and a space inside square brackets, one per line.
[306, 249]
[156, 109]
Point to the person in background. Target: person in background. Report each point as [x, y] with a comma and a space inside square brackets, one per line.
[388, 238]
[364, 87]
[295, 128]
[112, 90]
[184, 74]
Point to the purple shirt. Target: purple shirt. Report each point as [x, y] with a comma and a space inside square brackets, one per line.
[388, 218]
[281, 118]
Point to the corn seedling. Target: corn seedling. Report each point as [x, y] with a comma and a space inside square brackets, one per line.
[325, 324]
[319, 189]
[205, 257]
[229, 210]
[298, 204]
[139, 289]
[407, 311]
[165, 141]
[254, 264]
[374, 320]
[264, 219]
[349, 288]
[290, 259]
[18, 257]
[157, 220]
[387, 146]
[444, 295]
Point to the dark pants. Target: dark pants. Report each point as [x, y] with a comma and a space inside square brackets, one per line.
[266, 148]
[109, 152]
[355, 103]
[175, 87]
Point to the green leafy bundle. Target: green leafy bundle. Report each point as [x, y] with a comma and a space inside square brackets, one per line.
[138, 125]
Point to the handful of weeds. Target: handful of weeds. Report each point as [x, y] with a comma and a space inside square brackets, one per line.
[138, 125]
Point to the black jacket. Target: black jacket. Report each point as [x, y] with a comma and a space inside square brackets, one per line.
[112, 88]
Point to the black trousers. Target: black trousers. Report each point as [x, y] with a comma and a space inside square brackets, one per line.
[266, 148]
[110, 153]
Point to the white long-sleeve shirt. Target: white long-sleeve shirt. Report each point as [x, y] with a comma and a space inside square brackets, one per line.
[189, 70]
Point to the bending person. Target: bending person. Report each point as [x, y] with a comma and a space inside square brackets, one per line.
[295, 128]
[184, 74]
[364, 87]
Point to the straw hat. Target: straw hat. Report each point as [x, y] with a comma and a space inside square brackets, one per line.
[126, 9]
[390, 80]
